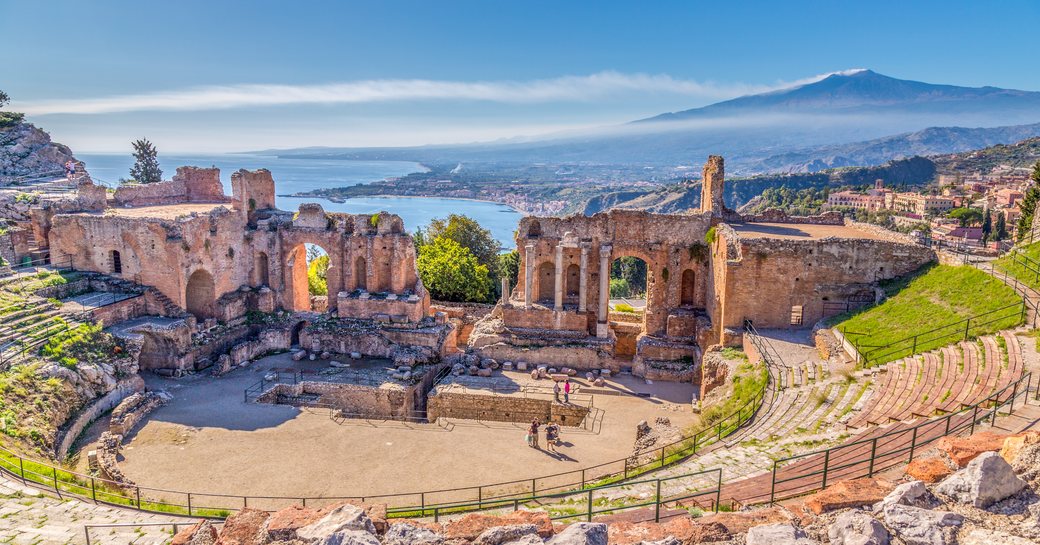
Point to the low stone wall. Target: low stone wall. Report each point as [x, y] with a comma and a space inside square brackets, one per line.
[108, 446]
[776, 215]
[544, 318]
[132, 410]
[471, 406]
[387, 401]
[68, 435]
[583, 357]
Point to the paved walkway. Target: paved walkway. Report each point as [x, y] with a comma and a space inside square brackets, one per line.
[28, 517]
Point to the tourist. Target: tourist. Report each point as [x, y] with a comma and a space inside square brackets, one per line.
[552, 435]
[533, 433]
[567, 391]
[556, 391]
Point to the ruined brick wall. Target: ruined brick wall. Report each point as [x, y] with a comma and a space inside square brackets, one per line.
[670, 244]
[354, 400]
[190, 184]
[762, 279]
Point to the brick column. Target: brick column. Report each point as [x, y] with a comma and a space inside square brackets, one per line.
[584, 270]
[558, 292]
[528, 274]
[604, 290]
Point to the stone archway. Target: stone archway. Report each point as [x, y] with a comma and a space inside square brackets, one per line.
[200, 295]
[261, 273]
[573, 280]
[297, 272]
[688, 293]
[361, 274]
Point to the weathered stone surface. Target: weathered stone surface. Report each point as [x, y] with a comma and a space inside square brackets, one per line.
[987, 480]
[962, 450]
[852, 493]
[341, 518]
[581, 533]
[740, 522]
[201, 533]
[529, 539]
[472, 525]
[929, 470]
[1016, 443]
[349, 537]
[857, 528]
[244, 527]
[505, 534]
[1027, 464]
[407, 533]
[914, 494]
[685, 529]
[980, 536]
[917, 526]
[777, 534]
[282, 524]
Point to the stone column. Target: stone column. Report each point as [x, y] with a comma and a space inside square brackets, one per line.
[604, 290]
[583, 271]
[528, 274]
[505, 292]
[558, 292]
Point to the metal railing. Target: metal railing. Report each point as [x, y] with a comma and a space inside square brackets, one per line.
[961, 330]
[779, 371]
[865, 458]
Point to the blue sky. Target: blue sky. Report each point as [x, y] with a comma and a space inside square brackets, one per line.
[222, 76]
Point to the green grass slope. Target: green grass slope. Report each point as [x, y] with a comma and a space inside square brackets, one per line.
[1025, 266]
[934, 305]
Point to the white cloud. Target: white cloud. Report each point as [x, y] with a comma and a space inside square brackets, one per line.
[562, 89]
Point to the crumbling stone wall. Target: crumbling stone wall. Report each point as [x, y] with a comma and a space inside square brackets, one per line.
[132, 410]
[352, 400]
[189, 184]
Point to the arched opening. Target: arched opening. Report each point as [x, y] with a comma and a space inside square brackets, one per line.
[307, 271]
[628, 291]
[295, 338]
[199, 295]
[573, 280]
[546, 283]
[261, 276]
[360, 274]
[117, 262]
[687, 297]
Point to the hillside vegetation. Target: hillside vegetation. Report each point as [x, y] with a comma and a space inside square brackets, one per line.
[1022, 154]
[933, 304]
[1025, 267]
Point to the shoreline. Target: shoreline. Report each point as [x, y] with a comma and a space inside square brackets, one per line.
[392, 196]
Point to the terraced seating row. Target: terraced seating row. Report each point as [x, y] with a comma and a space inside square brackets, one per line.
[943, 380]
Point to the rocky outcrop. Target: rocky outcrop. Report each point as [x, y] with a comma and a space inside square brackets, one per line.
[26, 149]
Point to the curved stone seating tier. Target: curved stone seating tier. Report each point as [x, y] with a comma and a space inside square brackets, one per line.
[942, 380]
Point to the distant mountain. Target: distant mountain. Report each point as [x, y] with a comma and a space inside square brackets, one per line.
[1022, 155]
[801, 128]
[930, 141]
[865, 90]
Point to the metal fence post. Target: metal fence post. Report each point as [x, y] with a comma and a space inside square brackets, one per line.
[967, 325]
[657, 503]
[590, 506]
[913, 444]
[974, 417]
[873, 453]
[826, 464]
[189, 504]
[772, 485]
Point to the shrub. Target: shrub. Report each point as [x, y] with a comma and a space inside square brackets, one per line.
[624, 307]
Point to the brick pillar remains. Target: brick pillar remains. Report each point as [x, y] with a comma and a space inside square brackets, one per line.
[528, 274]
[582, 272]
[558, 291]
[711, 185]
[604, 291]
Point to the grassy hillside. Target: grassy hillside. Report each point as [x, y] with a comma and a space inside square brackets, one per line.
[933, 305]
[1025, 267]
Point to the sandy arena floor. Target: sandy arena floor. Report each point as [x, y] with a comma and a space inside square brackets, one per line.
[209, 440]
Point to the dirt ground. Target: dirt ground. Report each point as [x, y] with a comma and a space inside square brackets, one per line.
[209, 440]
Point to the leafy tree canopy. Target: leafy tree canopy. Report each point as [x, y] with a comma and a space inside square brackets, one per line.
[1028, 206]
[966, 216]
[317, 271]
[468, 233]
[452, 273]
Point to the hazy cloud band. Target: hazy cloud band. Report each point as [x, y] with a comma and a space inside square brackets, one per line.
[562, 89]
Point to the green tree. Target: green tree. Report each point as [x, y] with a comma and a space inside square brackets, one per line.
[317, 275]
[1000, 232]
[452, 273]
[468, 233]
[509, 267]
[4, 99]
[631, 275]
[1028, 206]
[987, 226]
[146, 163]
[966, 216]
